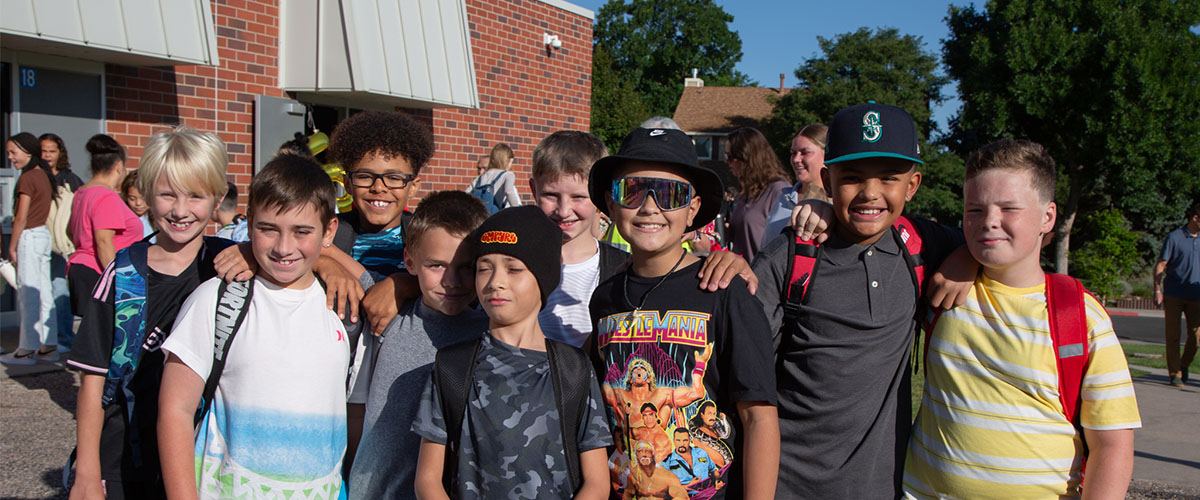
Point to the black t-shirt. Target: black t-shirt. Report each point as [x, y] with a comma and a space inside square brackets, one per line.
[91, 354]
[647, 373]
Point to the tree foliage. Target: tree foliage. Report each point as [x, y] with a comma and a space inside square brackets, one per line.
[655, 44]
[886, 67]
[1109, 87]
[1109, 254]
[616, 108]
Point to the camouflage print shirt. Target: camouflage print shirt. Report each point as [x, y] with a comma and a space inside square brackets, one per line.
[511, 438]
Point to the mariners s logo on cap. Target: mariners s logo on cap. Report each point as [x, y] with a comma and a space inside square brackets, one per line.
[872, 128]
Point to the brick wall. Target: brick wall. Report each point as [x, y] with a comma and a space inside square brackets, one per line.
[143, 100]
[524, 93]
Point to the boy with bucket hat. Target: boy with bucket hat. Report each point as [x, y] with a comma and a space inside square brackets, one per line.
[843, 352]
[671, 356]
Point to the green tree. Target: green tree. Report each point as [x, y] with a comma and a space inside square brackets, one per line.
[886, 67]
[655, 44]
[616, 108]
[1108, 87]
[1109, 255]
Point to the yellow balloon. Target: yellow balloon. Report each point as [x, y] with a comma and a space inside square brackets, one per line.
[345, 199]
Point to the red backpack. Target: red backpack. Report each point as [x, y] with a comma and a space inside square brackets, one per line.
[806, 258]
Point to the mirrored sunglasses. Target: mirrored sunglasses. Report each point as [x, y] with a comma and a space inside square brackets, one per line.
[631, 192]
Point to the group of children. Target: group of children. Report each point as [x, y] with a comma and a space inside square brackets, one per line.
[516, 356]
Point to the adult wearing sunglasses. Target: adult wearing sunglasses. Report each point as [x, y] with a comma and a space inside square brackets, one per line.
[762, 179]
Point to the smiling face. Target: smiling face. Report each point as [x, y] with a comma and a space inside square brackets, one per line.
[380, 207]
[17, 157]
[807, 159]
[649, 230]
[869, 195]
[180, 214]
[50, 153]
[1004, 220]
[566, 201]
[287, 244]
[506, 289]
[444, 271]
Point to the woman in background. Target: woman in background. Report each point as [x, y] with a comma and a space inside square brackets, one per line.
[497, 186]
[54, 151]
[808, 160]
[762, 178]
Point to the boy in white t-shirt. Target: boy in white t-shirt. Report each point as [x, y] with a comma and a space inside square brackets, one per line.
[277, 421]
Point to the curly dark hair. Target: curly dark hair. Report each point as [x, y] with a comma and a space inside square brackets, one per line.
[390, 134]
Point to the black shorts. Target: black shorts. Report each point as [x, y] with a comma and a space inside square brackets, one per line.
[81, 280]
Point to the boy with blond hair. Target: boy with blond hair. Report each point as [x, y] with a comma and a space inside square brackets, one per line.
[991, 423]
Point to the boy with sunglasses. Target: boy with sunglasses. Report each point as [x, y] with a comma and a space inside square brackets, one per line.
[662, 342]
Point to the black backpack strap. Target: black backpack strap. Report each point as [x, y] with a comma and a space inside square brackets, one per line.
[233, 300]
[611, 259]
[453, 374]
[570, 375]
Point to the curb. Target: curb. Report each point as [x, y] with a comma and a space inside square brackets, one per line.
[1135, 313]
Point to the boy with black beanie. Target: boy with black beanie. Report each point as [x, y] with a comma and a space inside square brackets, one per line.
[674, 357]
[490, 416]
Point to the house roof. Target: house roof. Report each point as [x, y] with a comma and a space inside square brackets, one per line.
[723, 109]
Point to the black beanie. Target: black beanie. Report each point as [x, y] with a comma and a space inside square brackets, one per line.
[525, 233]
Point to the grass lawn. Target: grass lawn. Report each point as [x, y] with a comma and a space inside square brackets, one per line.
[1159, 362]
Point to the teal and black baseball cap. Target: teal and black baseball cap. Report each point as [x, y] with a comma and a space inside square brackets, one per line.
[872, 130]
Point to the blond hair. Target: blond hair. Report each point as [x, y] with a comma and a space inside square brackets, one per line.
[499, 157]
[192, 160]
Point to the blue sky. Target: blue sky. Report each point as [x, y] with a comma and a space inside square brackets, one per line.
[778, 35]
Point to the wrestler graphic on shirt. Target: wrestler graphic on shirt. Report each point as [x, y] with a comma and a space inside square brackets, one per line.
[652, 431]
[641, 387]
[709, 429]
[647, 480]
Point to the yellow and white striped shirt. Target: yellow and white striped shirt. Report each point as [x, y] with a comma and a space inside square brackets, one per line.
[991, 424]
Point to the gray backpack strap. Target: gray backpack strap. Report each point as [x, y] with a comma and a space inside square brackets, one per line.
[233, 300]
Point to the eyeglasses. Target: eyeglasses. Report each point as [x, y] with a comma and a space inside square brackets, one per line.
[669, 195]
[391, 180]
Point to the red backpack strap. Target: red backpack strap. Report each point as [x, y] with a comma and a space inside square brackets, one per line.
[801, 268]
[909, 238]
[1068, 330]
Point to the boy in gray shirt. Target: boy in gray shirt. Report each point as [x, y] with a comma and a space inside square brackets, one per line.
[397, 364]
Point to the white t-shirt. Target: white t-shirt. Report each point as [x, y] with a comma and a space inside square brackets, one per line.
[278, 418]
[566, 317]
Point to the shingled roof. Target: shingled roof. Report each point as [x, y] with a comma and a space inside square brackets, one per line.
[723, 109]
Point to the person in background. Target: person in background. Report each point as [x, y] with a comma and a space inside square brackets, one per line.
[101, 224]
[136, 202]
[808, 160]
[496, 187]
[233, 224]
[1177, 289]
[29, 251]
[761, 178]
[54, 151]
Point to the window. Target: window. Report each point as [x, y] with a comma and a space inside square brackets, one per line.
[703, 146]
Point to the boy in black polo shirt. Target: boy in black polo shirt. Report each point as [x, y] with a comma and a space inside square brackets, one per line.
[843, 362]
[701, 360]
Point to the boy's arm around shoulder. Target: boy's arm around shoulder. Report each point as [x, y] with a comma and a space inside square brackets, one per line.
[950, 268]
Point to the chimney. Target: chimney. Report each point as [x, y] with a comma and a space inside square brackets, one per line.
[693, 81]
[781, 83]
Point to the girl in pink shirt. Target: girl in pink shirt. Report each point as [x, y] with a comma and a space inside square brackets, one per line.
[101, 223]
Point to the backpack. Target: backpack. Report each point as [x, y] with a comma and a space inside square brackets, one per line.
[454, 374]
[1065, 304]
[60, 218]
[486, 193]
[806, 258]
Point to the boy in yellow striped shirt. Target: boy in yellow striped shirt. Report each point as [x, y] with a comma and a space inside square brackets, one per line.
[991, 424]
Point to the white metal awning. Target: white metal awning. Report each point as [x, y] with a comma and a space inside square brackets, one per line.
[412, 53]
[130, 32]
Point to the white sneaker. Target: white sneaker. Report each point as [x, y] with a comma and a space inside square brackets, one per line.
[19, 357]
